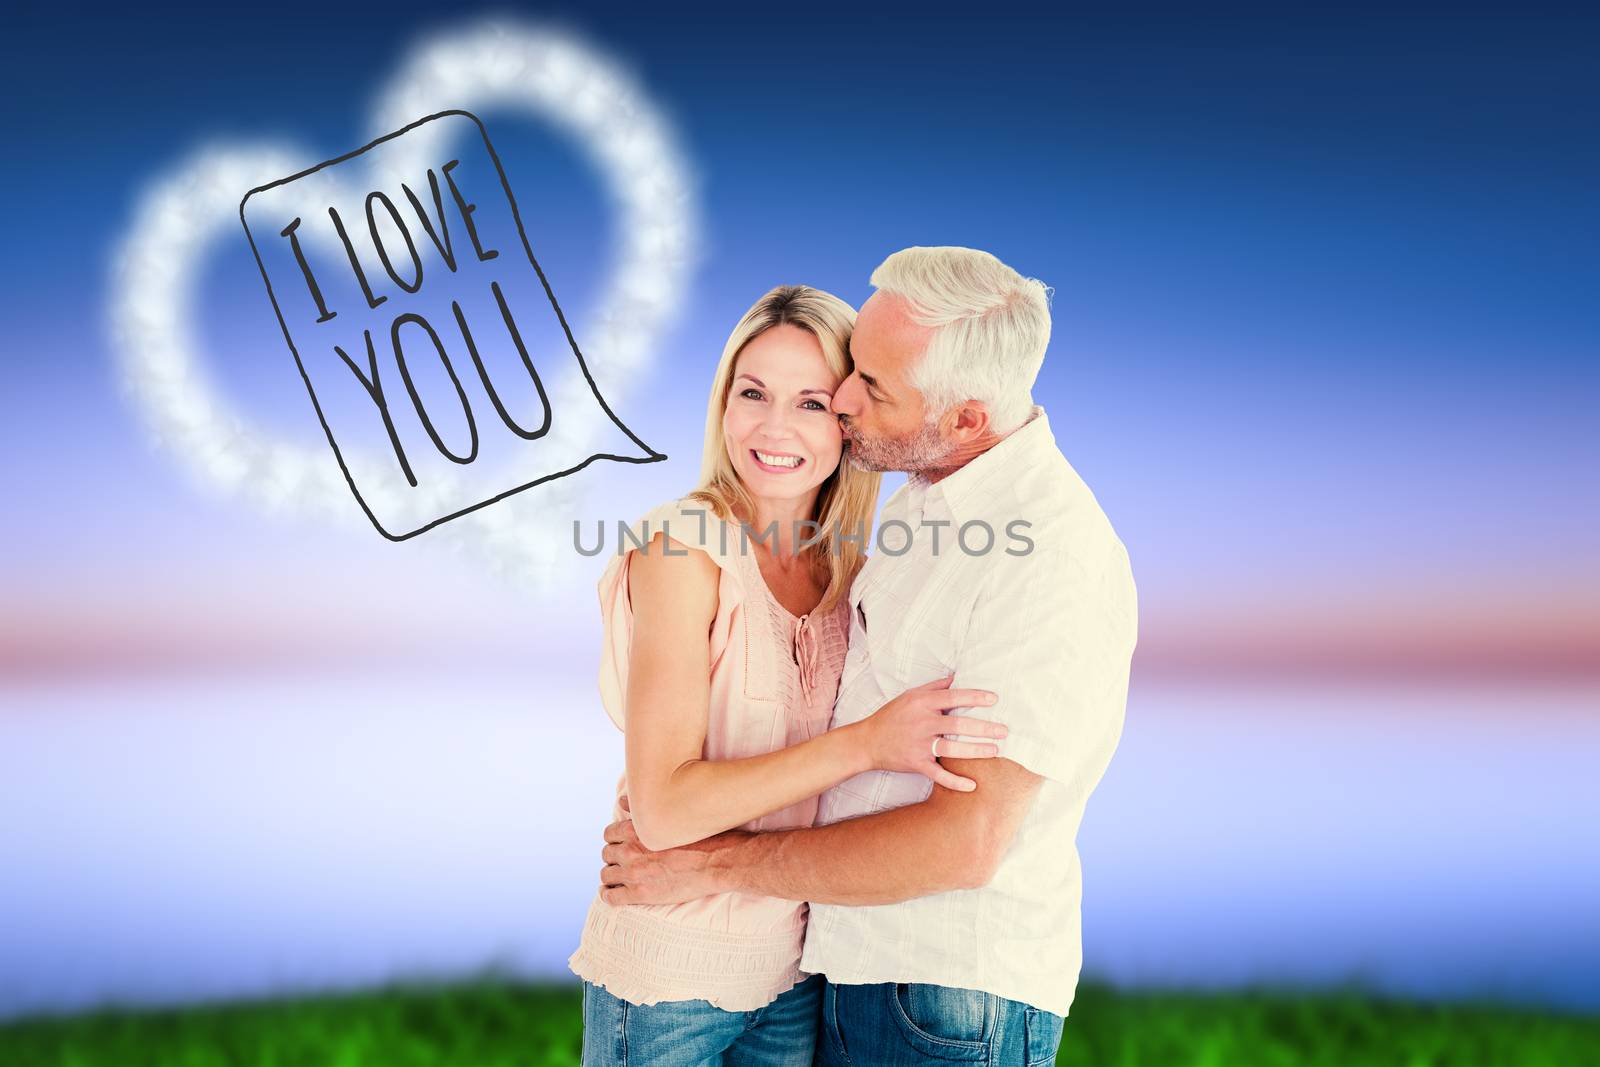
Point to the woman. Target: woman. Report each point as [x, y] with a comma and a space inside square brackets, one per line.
[724, 639]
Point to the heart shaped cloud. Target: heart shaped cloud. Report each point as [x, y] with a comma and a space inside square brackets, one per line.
[486, 65]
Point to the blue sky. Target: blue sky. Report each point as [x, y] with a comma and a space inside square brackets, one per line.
[1323, 283]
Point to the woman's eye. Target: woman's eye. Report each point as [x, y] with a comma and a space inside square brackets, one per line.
[753, 394]
[816, 405]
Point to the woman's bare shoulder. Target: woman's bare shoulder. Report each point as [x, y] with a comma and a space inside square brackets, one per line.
[669, 579]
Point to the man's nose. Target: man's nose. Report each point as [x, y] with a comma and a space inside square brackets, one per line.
[844, 401]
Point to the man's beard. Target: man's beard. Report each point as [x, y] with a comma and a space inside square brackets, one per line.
[914, 452]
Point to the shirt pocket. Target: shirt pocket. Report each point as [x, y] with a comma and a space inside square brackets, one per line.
[921, 645]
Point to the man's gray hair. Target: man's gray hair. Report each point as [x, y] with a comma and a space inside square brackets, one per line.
[991, 326]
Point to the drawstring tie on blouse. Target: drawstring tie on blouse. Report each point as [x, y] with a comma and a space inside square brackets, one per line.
[805, 654]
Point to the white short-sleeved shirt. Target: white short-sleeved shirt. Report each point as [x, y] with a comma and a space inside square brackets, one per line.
[1046, 617]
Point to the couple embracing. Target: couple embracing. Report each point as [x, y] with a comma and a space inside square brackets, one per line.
[855, 768]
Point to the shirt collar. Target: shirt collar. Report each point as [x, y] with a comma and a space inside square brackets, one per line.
[1018, 449]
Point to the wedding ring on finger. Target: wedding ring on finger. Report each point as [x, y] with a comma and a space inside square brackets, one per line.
[936, 740]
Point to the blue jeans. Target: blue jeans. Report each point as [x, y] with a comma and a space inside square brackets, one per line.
[899, 1024]
[692, 1033]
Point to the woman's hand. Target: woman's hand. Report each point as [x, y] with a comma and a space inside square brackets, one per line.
[899, 736]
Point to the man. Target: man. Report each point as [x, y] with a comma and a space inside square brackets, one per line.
[947, 923]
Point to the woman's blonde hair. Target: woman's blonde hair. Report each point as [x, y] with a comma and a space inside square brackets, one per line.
[848, 497]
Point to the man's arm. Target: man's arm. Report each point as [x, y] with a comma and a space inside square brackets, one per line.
[952, 840]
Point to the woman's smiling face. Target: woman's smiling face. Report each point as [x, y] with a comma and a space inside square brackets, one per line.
[779, 428]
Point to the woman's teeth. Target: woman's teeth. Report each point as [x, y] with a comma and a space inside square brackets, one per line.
[777, 461]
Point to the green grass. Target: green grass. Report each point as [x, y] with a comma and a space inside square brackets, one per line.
[492, 1022]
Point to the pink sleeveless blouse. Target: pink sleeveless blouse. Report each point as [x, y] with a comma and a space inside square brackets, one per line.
[774, 678]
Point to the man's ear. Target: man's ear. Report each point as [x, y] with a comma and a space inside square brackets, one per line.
[970, 421]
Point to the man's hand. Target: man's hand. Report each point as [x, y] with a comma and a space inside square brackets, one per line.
[635, 875]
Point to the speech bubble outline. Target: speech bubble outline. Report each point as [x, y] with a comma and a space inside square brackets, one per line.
[650, 456]
[531, 68]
